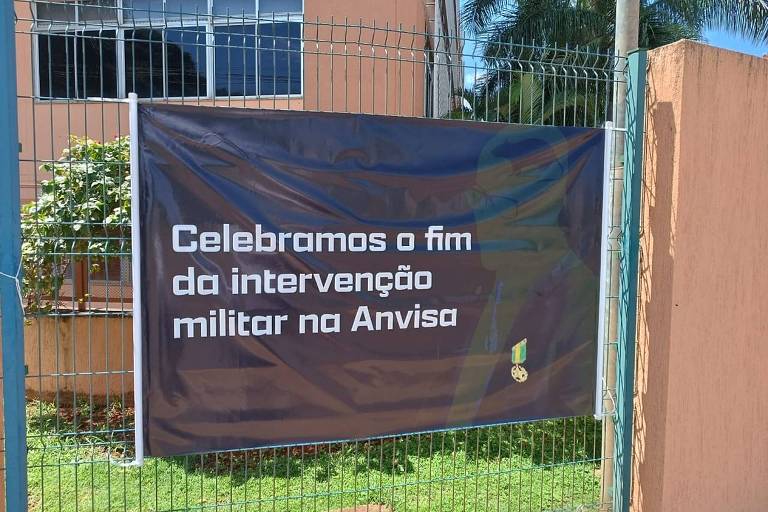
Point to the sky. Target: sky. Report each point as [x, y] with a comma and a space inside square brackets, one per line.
[724, 39]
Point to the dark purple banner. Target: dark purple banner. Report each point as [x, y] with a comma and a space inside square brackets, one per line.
[316, 277]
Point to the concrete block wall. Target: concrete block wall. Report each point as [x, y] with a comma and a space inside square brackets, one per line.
[701, 418]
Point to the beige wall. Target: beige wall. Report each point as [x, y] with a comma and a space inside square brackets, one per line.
[370, 70]
[384, 74]
[74, 358]
[701, 431]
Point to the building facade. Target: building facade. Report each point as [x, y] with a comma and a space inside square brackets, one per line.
[79, 59]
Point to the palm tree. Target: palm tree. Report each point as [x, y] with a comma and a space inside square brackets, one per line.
[508, 91]
[591, 22]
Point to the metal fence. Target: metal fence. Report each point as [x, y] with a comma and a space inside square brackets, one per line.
[75, 64]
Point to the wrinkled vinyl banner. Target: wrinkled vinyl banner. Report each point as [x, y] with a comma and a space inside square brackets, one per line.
[314, 276]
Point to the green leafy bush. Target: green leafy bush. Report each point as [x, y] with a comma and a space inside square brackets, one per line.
[82, 213]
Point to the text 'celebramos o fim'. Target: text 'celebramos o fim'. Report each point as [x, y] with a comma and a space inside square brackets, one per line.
[188, 238]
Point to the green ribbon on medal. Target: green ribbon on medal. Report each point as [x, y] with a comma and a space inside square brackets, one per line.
[519, 353]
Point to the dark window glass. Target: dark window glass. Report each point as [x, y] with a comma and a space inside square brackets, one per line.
[55, 10]
[280, 6]
[142, 9]
[155, 10]
[185, 8]
[78, 65]
[98, 10]
[279, 58]
[235, 60]
[97, 64]
[56, 65]
[234, 7]
[144, 63]
[185, 57]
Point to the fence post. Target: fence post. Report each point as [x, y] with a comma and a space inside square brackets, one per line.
[628, 278]
[10, 257]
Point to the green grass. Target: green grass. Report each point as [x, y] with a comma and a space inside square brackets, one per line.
[542, 466]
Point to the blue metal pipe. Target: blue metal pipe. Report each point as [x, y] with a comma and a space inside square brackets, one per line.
[628, 279]
[10, 257]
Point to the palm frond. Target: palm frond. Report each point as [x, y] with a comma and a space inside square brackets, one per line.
[477, 15]
[664, 22]
[745, 17]
[550, 23]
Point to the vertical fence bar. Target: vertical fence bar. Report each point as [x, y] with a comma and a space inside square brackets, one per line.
[10, 258]
[628, 277]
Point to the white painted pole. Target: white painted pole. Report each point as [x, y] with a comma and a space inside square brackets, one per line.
[138, 395]
[605, 242]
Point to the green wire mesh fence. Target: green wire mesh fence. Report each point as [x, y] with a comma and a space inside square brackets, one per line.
[77, 61]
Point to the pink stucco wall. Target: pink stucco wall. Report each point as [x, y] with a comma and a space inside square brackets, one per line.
[701, 425]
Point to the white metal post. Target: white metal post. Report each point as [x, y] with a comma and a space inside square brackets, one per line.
[138, 395]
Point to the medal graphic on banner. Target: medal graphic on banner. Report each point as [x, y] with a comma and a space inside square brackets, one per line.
[519, 351]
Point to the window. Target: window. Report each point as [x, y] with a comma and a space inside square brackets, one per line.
[155, 10]
[280, 71]
[235, 8]
[236, 57]
[257, 47]
[185, 57]
[168, 48]
[258, 59]
[78, 64]
[71, 10]
[144, 63]
[166, 63]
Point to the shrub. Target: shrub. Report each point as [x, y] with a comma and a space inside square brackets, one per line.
[82, 213]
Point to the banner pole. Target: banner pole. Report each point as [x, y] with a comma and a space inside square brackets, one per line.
[602, 305]
[138, 392]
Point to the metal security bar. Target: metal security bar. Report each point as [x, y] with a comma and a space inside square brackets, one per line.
[76, 64]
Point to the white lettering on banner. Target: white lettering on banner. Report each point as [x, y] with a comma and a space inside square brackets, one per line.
[223, 322]
[187, 245]
[191, 284]
[189, 238]
[412, 319]
[269, 282]
[228, 323]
